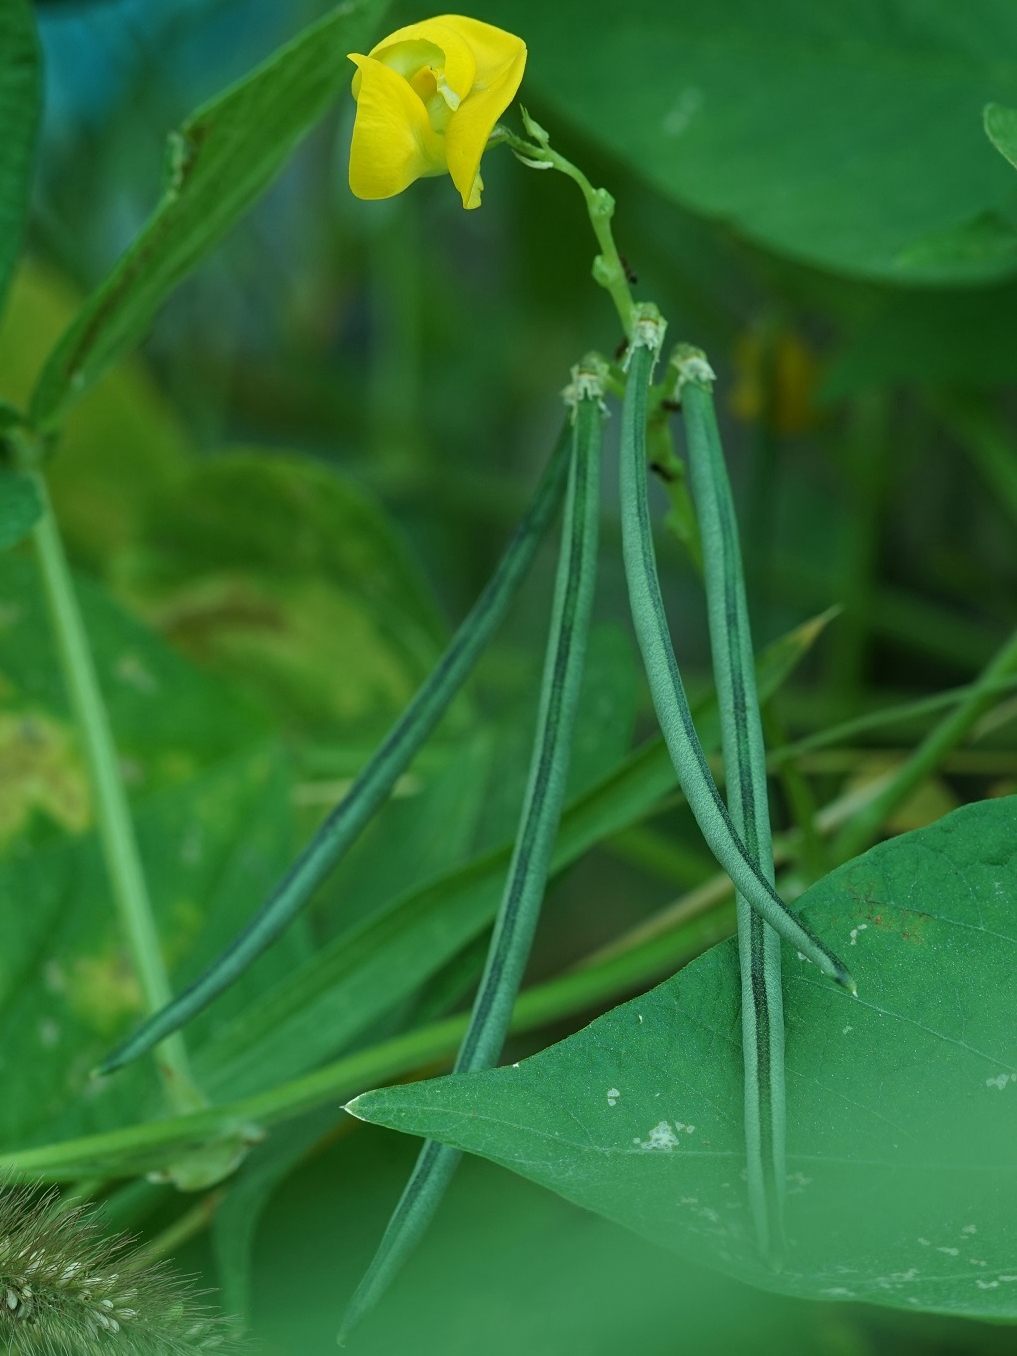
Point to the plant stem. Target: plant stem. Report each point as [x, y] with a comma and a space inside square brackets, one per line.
[889, 715]
[857, 835]
[139, 1148]
[655, 948]
[116, 830]
[608, 269]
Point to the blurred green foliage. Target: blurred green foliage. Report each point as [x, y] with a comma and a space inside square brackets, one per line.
[279, 509]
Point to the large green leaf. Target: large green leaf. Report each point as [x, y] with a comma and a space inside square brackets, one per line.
[19, 115]
[66, 986]
[849, 136]
[902, 1103]
[1001, 129]
[222, 158]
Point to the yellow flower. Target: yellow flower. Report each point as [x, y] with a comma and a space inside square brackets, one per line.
[428, 97]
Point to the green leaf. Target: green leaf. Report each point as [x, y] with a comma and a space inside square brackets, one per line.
[222, 158]
[843, 135]
[20, 507]
[286, 578]
[20, 94]
[902, 1104]
[66, 988]
[1001, 129]
[169, 720]
[122, 447]
[364, 972]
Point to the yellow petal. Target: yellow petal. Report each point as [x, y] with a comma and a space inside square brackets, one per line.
[393, 140]
[500, 60]
[417, 42]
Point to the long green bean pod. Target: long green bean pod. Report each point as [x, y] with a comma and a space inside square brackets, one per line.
[374, 784]
[745, 783]
[527, 877]
[666, 686]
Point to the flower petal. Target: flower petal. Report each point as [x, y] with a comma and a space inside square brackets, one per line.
[393, 140]
[459, 60]
[501, 59]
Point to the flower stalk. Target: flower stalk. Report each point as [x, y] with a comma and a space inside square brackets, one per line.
[608, 268]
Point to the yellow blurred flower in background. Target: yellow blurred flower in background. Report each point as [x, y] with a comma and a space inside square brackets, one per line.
[776, 378]
[428, 97]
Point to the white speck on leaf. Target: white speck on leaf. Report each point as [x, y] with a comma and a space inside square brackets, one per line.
[612, 1096]
[950, 1252]
[970, 1229]
[660, 1137]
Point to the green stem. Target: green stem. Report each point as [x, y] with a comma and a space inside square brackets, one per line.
[116, 830]
[654, 949]
[608, 269]
[746, 783]
[143, 1147]
[890, 715]
[858, 835]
